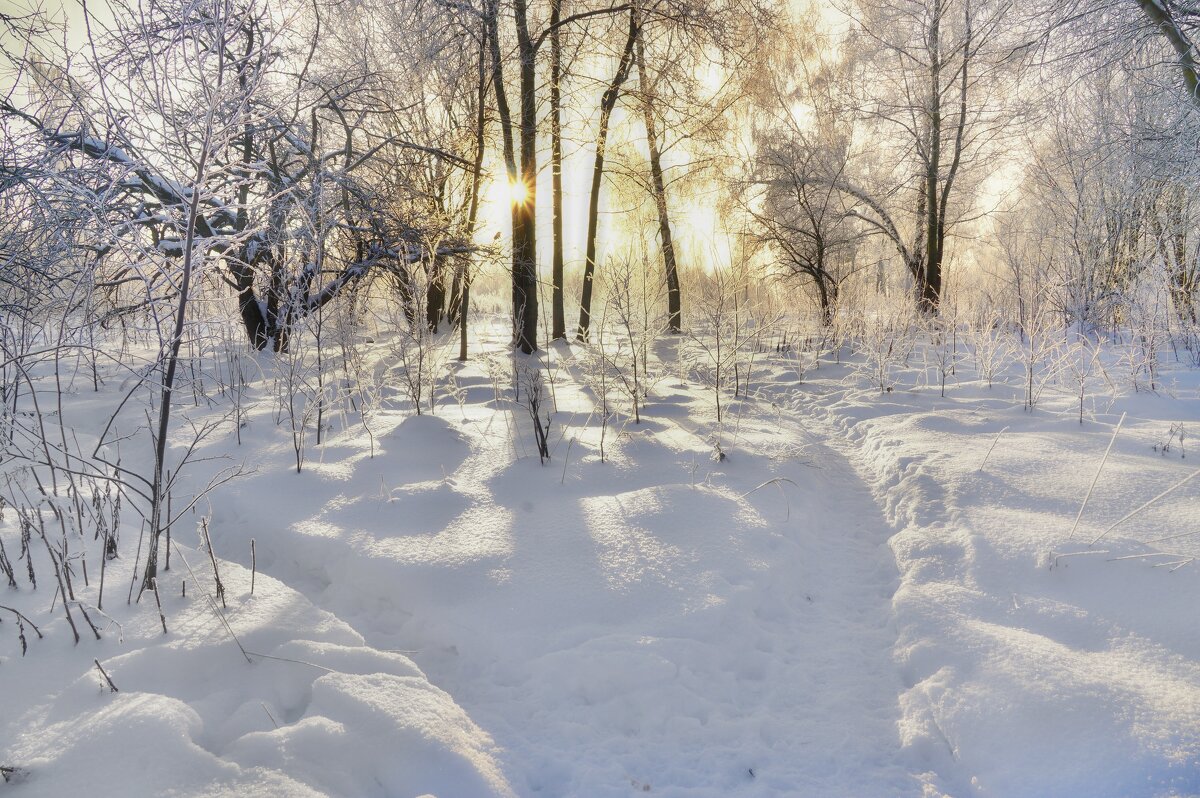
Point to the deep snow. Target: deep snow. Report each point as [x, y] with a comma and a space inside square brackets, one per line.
[845, 605]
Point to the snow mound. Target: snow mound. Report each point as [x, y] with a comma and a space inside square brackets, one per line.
[313, 712]
[379, 734]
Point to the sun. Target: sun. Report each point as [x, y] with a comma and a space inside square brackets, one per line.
[518, 193]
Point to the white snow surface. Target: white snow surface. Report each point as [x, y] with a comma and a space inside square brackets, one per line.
[845, 605]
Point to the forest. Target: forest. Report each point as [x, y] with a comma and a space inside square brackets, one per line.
[596, 398]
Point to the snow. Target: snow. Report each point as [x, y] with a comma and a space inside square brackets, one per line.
[193, 717]
[846, 604]
[1034, 663]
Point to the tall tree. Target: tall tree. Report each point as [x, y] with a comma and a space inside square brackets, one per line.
[607, 103]
[658, 186]
[927, 90]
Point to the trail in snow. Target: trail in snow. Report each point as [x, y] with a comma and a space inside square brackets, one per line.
[848, 605]
[650, 623]
[1029, 673]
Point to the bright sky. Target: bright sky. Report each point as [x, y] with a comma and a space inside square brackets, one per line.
[694, 219]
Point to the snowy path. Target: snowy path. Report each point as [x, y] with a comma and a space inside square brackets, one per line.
[1022, 678]
[847, 605]
[653, 623]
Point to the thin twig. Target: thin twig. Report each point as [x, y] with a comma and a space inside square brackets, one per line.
[776, 482]
[296, 661]
[566, 459]
[993, 446]
[213, 559]
[21, 617]
[1058, 557]
[269, 715]
[1132, 513]
[1096, 478]
[154, 586]
[112, 688]
[228, 628]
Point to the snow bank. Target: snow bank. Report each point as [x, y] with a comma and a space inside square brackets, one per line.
[314, 711]
[1035, 664]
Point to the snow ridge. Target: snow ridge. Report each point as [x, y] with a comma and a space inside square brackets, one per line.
[1019, 680]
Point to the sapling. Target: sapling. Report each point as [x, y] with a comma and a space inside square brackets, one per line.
[597, 377]
[626, 327]
[942, 331]
[884, 340]
[1149, 336]
[715, 337]
[418, 353]
[991, 343]
[1081, 360]
[360, 390]
[212, 558]
[1040, 356]
[534, 403]
[171, 362]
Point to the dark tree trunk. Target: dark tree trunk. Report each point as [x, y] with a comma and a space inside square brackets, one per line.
[525, 298]
[454, 298]
[931, 284]
[559, 320]
[504, 112]
[607, 102]
[435, 294]
[658, 186]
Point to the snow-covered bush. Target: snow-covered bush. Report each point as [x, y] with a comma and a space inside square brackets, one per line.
[883, 338]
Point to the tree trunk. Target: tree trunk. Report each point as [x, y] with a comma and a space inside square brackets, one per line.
[559, 320]
[504, 112]
[464, 273]
[607, 102]
[525, 311]
[170, 365]
[674, 306]
[931, 284]
[1164, 22]
[435, 293]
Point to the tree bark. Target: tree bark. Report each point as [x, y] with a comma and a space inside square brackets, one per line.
[435, 294]
[931, 282]
[525, 309]
[1160, 15]
[607, 102]
[559, 321]
[464, 274]
[658, 186]
[504, 112]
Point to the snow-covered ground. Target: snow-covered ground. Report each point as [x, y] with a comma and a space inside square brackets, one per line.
[824, 595]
